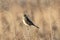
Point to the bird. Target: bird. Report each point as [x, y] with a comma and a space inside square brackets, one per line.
[27, 21]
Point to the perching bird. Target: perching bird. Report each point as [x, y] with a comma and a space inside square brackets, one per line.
[27, 21]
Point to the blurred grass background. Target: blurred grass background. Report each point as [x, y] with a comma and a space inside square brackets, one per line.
[44, 13]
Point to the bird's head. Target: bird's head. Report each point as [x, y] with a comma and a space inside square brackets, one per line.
[25, 15]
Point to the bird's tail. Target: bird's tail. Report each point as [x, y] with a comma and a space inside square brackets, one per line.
[36, 26]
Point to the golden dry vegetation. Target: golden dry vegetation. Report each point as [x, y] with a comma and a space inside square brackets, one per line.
[44, 13]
